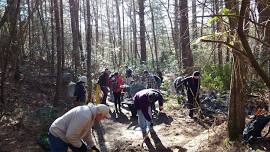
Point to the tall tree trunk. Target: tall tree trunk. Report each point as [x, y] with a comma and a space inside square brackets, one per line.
[74, 13]
[264, 14]
[62, 35]
[10, 50]
[194, 22]
[119, 32]
[176, 33]
[52, 40]
[123, 39]
[110, 29]
[59, 52]
[89, 49]
[219, 29]
[142, 31]
[236, 120]
[44, 27]
[96, 13]
[29, 30]
[154, 34]
[187, 57]
[135, 45]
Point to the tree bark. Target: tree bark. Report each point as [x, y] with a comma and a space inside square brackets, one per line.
[74, 13]
[154, 34]
[62, 36]
[135, 45]
[59, 52]
[187, 57]
[236, 120]
[89, 49]
[52, 40]
[176, 33]
[119, 33]
[264, 14]
[142, 32]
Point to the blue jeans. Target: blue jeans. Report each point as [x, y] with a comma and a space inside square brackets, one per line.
[58, 145]
[143, 123]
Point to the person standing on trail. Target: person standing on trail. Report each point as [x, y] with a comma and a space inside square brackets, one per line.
[192, 84]
[103, 81]
[142, 102]
[73, 129]
[116, 82]
[150, 80]
[80, 90]
[128, 75]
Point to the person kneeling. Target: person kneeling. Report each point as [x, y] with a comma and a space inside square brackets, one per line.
[74, 127]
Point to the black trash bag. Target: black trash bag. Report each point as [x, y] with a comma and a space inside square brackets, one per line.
[254, 128]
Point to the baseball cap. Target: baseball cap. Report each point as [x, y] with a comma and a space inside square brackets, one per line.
[104, 109]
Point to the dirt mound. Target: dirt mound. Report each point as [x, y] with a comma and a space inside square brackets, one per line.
[126, 146]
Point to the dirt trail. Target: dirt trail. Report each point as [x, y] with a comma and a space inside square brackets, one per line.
[174, 132]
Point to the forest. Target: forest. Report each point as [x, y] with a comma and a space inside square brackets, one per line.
[48, 47]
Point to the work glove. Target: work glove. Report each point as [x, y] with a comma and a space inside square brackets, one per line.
[94, 148]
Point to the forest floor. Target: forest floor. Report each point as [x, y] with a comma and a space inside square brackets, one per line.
[174, 132]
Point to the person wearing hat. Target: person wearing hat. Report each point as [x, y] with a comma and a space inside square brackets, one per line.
[192, 84]
[73, 129]
[80, 90]
[142, 102]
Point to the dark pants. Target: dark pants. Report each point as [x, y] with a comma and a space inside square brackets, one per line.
[105, 91]
[117, 100]
[192, 104]
[58, 145]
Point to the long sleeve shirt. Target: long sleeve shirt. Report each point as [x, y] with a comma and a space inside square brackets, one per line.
[151, 82]
[75, 125]
[141, 101]
[192, 85]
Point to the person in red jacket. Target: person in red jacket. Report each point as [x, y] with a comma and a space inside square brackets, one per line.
[115, 84]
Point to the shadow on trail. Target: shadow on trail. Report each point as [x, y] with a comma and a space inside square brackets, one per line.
[99, 139]
[133, 123]
[163, 118]
[158, 146]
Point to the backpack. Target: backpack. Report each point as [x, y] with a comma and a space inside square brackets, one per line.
[114, 83]
[179, 84]
[254, 128]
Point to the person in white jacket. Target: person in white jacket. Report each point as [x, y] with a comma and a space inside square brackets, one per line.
[73, 129]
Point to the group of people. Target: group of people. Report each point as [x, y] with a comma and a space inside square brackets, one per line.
[73, 129]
